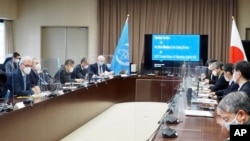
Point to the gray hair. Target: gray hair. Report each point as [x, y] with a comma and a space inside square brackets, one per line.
[101, 58]
[235, 101]
[216, 65]
[25, 59]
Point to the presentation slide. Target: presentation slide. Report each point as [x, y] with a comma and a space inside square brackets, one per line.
[175, 47]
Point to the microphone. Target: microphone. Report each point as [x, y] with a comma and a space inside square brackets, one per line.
[42, 80]
[166, 131]
[45, 71]
[198, 87]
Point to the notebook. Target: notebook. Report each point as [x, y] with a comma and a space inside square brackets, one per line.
[199, 113]
[205, 101]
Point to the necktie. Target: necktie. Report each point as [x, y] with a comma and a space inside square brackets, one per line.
[100, 68]
[24, 82]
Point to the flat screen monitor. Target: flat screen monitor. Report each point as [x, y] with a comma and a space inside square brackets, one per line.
[171, 50]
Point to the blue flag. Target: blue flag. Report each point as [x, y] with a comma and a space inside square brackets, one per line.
[120, 61]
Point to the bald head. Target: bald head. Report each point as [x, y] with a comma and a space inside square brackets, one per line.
[101, 58]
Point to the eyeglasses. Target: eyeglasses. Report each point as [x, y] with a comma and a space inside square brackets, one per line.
[228, 117]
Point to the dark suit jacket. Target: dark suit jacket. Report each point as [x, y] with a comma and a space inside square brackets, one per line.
[93, 68]
[220, 84]
[231, 88]
[16, 86]
[34, 79]
[79, 72]
[62, 76]
[246, 88]
[212, 79]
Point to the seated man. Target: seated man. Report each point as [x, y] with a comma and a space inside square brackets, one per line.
[220, 83]
[234, 109]
[36, 75]
[12, 63]
[241, 76]
[99, 68]
[210, 78]
[81, 69]
[19, 82]
[232, 87]
[63, 75]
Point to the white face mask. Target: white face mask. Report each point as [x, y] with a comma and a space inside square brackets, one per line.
[38, 67]
[214, 73]
[16, 60]
[86, 66]
[100, 63]
[209, 67]
[233, 122]
[27, 70]
[71, 69]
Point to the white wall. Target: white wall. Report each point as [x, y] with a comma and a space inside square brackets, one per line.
[33, 14]
[243, 19]
[8, 9]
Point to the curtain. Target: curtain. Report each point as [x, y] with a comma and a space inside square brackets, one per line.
[210, 17]
[8, 26]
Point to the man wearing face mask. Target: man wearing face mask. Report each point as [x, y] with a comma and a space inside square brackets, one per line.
[19, 82]
[63, 75]
[99, 68]
[36, 73]
[210, 78]
[241, 76]
[12, 64]
[232, 87]
[220, 83]
[81, 69]
[234, 109]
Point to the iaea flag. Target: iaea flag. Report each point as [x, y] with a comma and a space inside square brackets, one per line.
[120, 61]
[237, 52]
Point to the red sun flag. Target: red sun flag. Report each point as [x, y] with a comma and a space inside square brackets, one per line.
[237, 52]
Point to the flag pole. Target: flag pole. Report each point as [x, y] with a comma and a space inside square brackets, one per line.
[120, 62]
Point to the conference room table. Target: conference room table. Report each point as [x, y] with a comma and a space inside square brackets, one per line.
[51, 119]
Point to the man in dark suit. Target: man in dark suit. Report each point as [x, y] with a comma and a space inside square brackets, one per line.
[241, 76]
[63, 75]
[99, 68]
[34, 78]
[232, 87]
[19, 82]
[81, 69]
[234, 109]
[221, 83]
[11, 64]
[37, 77]
[210, 78]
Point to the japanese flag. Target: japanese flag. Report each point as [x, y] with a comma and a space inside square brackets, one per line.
[237, 52]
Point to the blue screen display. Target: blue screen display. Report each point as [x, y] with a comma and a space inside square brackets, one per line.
[175, 47]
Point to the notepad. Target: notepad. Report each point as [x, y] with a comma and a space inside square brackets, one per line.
[202, 95]
[199, 113]
[204, 101]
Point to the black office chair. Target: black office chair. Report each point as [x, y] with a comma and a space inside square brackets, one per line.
[3, 79]
[2, 67]
[5, 61]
